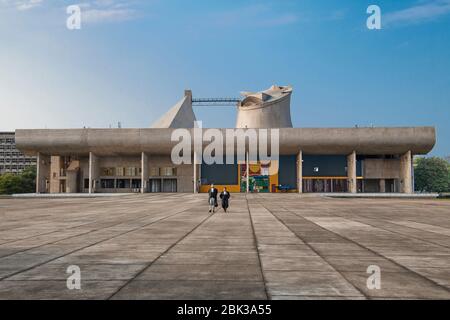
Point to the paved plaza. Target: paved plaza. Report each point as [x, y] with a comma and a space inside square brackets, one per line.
[273, 246]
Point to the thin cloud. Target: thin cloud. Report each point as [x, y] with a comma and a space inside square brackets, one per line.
[99, 11]
[21, 5]
[422, 12]
[99, 15]
[92, 11]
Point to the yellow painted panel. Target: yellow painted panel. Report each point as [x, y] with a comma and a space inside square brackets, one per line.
[230, 188]
[324, 178]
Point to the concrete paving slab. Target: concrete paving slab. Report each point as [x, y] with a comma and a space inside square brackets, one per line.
[57, 290]
[316, 298]
[89, 272]
[305, 263]
[309, 284]
[439, 275]
[422, 261]
[192, 290]
[340, 249]
[290, 250]
[225, 272]
[399, 285]
[360, 264]
[210, 257]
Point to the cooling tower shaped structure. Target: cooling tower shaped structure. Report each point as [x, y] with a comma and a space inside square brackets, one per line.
[266, 109]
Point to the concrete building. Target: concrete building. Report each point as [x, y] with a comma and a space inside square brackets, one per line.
[311, 159]
[11, 159]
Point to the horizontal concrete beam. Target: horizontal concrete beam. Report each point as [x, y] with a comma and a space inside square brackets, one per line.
[364, 141]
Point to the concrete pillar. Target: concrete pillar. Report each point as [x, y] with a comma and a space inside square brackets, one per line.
[93, 172]
[199, 178]
[300, 172]
[55, 174]
[91, 160]
[413, 179]
[195, 172]
[382, 186]
[42, 172]
[406, 173]
[71, 182]
[351, 172]
[144, 172]
[247, 168]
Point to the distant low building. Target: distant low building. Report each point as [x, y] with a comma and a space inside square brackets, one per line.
[11, 159]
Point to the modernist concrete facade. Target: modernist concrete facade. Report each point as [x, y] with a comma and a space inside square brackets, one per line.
[311, 159]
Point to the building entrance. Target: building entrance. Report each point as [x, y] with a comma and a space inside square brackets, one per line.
[163, 185]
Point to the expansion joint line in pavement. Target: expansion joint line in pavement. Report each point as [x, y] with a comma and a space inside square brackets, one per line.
[384, 257]
[93, 244]
[402, 234]
[63, 229]
[163, 253]
[50, 232]
[314, 250]
[372, 251]
[255, 240]
[63, 239]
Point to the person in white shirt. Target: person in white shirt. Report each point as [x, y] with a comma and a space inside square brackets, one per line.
[212, 200]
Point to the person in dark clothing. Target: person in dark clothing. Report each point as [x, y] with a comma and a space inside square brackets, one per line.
[212, 200]
[225, 196]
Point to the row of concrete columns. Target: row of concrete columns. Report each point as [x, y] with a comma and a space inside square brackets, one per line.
[351, 172]
[44, 163]
[94, 172]
[406, 169]
[406, 176]
[406, 173]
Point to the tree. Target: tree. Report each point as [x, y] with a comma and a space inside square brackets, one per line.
[432, 175]
[21, 183]
[10, 183]
[28, 182]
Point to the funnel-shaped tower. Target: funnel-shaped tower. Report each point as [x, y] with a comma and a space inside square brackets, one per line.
[266, 109]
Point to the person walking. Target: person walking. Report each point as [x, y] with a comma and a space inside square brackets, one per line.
[225, 196]
[212, 200]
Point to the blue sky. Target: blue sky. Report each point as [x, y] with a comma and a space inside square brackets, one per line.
[132, 60]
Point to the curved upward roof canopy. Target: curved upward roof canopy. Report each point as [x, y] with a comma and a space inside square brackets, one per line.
[272, 94]
[270, 108]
